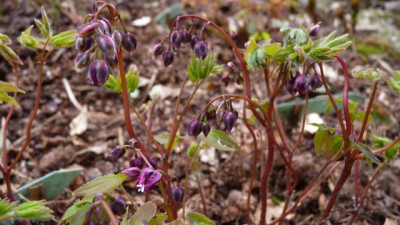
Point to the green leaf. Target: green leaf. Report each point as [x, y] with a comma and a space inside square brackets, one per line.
[381, 142]
[7, 99]
[251, 47]
[200, 69]
[76, 213]
[367, 152]
[368, 74]
[394, 83]
[143, 213]
[27, 40]
[6, 207]
[64, 39]
[257, 58]
[191, 150]
[163, 138]
[220, 140]
[9, 55]
[102, 184]
[34, 210]
[295, 36]
[158, 219]
[111, 83]
[335, 144]
[7, 87]
[5, 39]
[177, 222]
[132, 80]
[320, 140]
[323, 126]
[272, 49]
[46, 25]
[198, 219]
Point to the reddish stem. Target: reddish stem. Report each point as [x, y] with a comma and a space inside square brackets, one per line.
[345, 98]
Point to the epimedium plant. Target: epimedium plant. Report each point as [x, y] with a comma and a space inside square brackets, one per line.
[288, 66]
[43, 46]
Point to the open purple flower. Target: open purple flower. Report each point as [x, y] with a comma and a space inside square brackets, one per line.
[148, 178]
[132, 172]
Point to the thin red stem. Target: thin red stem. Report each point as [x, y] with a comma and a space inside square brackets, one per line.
[345, 98]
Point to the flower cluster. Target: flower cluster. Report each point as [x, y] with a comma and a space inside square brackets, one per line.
[98, 43]
[176, 39]
[147, 177]
[301, 83]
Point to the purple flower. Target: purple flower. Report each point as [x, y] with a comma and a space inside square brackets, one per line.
[104, 27]
[158, 50]
[117, 152]
[200, 49]
[168, 58]
[177, 194]
[98, 72]
[117, 37]
[315, 82]
[176, 40]
[132, 172]
[87, 30]
[148, 178]
[314, 30]
[153, 162]
[118, 206]
[301, 84]
[107, 46]
[83, 44]
[129, 42]
[186, 37]
[289, 86]
[137, 162]
[195, 128]
[206, 129]
[193, 42]
[230, 119]
[81, 60]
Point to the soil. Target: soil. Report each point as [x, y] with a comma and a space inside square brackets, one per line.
[224, 175]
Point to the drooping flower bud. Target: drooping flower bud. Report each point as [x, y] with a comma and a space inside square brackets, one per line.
[193, 42]
[186, 37]
[117, 37]
[315, 82]
[168, 58]
[211, 112]
[153, 162]
[129, 42]
[289, 86]
[132, 172]
[107, 46]
[104, 27]
[98, 72]
[158, 50]
[177, 194]
[229, 120]
[117, 152]
[118, 206]
[137, 162]
[176, 40]
[200, 49]
[81, 60]
[206, 129]
[87, 30]
[314, 30]
[301, 83]
[83, 44]
[195, 128]
[225, 80]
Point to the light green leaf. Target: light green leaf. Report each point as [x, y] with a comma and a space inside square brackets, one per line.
[5, 39]
[102, 184]
[163, 138]
[200, 69]
[381, 142]
[335, 144]
[220, 140]
[7, 87]
[198, 219]
[368, 74]
[75, 214]
[64, 39]
[177, 222]
[7, 99]
[320, 140]
[6, 207]
[158, 219]
[367, 152]
[9, 54]
[272, 49]
[250, 48]
[46, 25]
[143, 213]
[323, 126]
[34, 210]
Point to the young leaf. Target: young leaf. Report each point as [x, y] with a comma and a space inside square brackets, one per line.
[256, 58]
[163, 138]
[367, 152]
[272, 49]
[34, 210]
[6, 207]
[46, 24]
[220, 140]
[4, 39]
[177, 222]
[200, 69]
[158, 219]
[320, 140]
[7, 99]
[7, 87]
[27, 40]
[381, 142]
[9, 54]
[64, 39]
[335, 144]
[250, 48]
[394, 82]
[75, 214]
[143, 213]
[198, 219]
[102, 184]
[368, 74]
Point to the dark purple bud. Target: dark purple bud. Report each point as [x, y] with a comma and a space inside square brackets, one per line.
[83, 44]
[87, 30]
[193, 42]
[118, 206]
[289, 86]
[81, 60]
[211, 112]
[301, 83]
[316, 82]
[220, 116]
[206, 129]
[148, 179]
[168, 58]
[117, 152]
[195, 127]
[225, 80]
[229, 120]
[132, 172]
[153, 162]
[314, 30]
[200, 49]
[176, 40]
[236, 114]
[234, 36]
[129, 42]
[117, 37]
[177, 194]
[112, 62]
[107, 46]
[98, 72]
[158, 50]
[137, 162]
[104, 27]
[186, 37]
